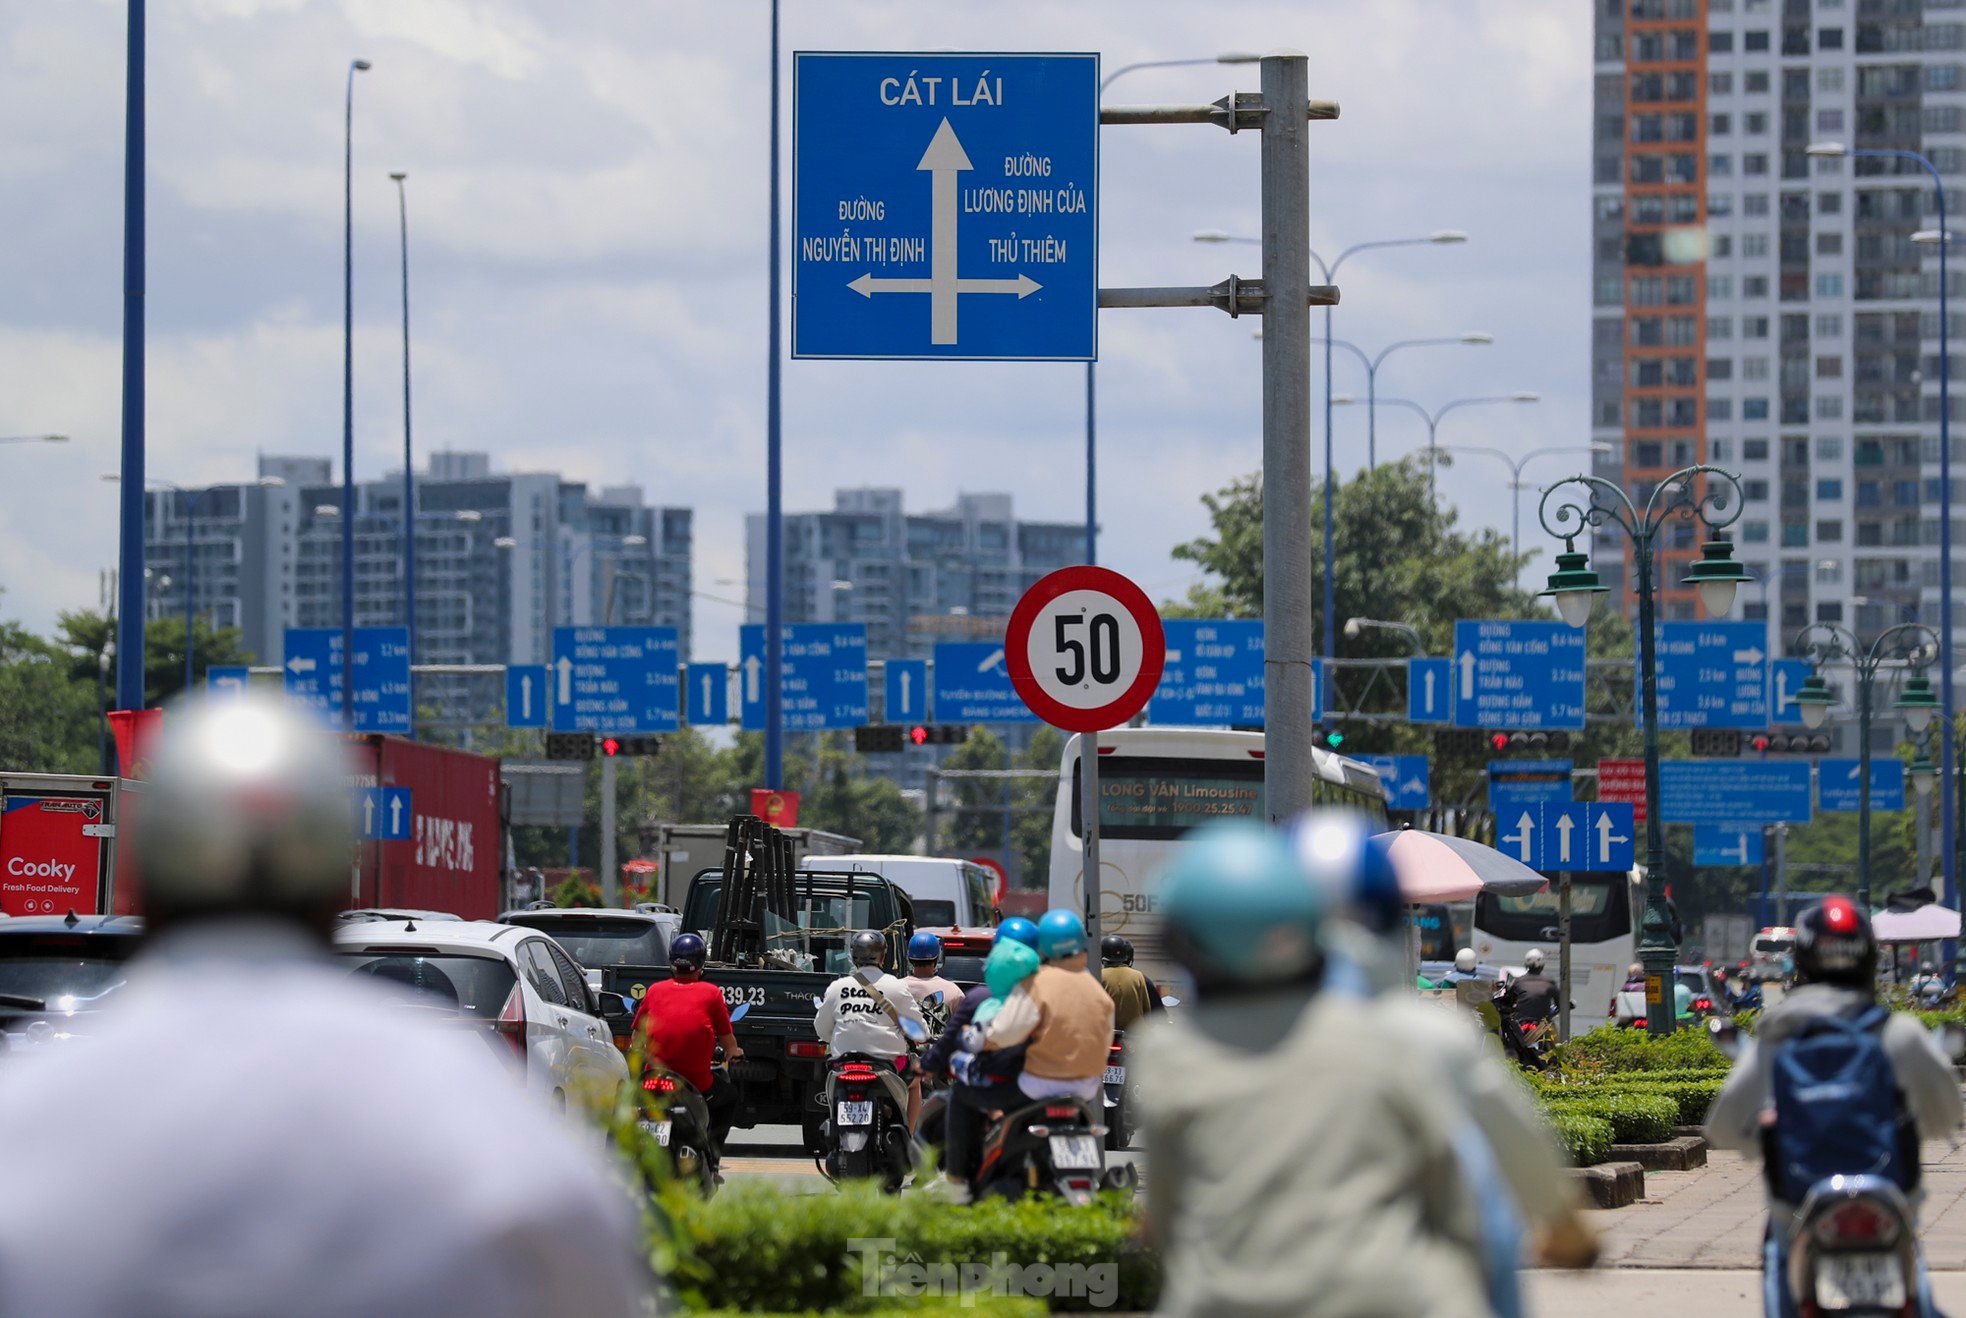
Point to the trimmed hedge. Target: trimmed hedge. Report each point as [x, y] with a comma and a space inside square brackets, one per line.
[1610, 1048]
[756, 1249]
[1635, 1118]
[1587, 1139]
[1693, 1097]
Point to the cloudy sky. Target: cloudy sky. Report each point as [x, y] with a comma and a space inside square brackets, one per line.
[589, 238]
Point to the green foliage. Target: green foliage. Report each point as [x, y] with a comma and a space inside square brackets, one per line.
[1691, 1097]
[49, 720]
[1587, 1139]
[576, 891]
[1610, 1048]
[757, 1249]
[1635, 1117]
[84, 635]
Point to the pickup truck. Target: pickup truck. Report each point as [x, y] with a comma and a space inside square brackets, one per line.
[779, 1077]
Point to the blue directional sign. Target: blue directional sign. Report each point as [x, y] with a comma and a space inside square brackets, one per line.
[972, 685]
[1839, 786]
[386, 813]
[527, 694]
[227, 681]
[1513, 784]
[1712, 674]
[1785, 678]
[945, 205]
[1717, 846]
[614, 679]
[906, 685]
[1518, 674]
[1407, 780]
[823, 683]
[1733, 791]
[707, 691]
[1213, 676]
[1429, 690]
[312, 674]
[1568, 835]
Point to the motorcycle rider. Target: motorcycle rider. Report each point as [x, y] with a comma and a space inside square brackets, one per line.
[1836, 964]
[984, 1082]
[274, 1116]
[925, 979]
[680, 1024]
[1133, 994]
[1928, 987]
[1534, 994]
[1062, 1013]
[1634, 979]
[853, 1018]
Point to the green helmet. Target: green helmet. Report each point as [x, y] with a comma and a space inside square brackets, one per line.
[1238, 909]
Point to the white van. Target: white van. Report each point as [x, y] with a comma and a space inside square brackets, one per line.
[947, 893]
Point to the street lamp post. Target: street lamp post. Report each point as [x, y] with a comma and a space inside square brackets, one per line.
[1582, 503]
[1356, 627]
[348, 400]
[409, 468]
[129, 579]
[1474, 338]
[1433, 419]
[1953, 802]
[1329, 270]
[1515, 466]
[1091, 367]
[34, 439]
[1825, 642]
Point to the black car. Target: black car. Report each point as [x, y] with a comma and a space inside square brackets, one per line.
[57, 971]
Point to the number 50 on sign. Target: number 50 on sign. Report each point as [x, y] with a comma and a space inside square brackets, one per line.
[1085, 649]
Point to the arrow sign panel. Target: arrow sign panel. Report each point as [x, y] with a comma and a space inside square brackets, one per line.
[906, 683]
[614, 679]
[1429, 690]
[526, 696]
[972, 685]
[1518, 674]
[1213, 676]
[1407, 780]
[1613, 839]
[386, 813]
[823, 682]
[227, 681]
[312, 674]
[1785, 678]
[1839, 788]
[945, 205]
[1712, 674]
[707, 691]
[1718, 846]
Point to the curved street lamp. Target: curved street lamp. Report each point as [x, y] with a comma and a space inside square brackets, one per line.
[1433, 419]
[1515, 466]
[1582, 503]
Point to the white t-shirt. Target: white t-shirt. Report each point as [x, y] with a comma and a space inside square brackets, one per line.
[937, 1017]
[852, 1020]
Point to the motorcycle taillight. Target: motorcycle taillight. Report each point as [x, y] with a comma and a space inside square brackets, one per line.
[1856, 1223]
[1061, 1112]
[858, 1072]
[659, 1084]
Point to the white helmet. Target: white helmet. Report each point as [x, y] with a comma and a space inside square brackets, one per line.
[1464, 961]
[247, 810]
[1532, 960]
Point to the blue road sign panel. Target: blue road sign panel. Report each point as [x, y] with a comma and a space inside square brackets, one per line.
[707, 689]
[1518, 674]
[972, 685]
[1513, 784]
[614, 679]
[1785, 678]
[312, 674]
[527, 694]
[1733, 791]
[1716, 846]
[1839, 786]
[824, 680]
[905, 682]
[1568, 835]
[1429, 690]
[1407, 780]
[1712, 674]
[386, 814]
[226, 681]
[1214, 674]
[945, 205]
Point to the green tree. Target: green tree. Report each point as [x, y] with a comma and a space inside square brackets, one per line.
[49, 718]
[85, 634]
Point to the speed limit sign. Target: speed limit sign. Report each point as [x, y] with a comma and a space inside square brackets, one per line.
[1085, 649]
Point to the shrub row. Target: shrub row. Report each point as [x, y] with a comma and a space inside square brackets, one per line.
[1634, 1117]
[1609, 1048]
[1587, 1139]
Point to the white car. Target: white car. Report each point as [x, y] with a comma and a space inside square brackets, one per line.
[515, 986]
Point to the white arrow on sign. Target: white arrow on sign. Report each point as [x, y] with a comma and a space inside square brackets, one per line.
[1429, 680]
[753, 688]
[1524, 836]
[1855, 769]
[1564, 825]
[993, 660]
[1782, 696]
[1414, 786]
[1751, 655]
[1741, 847]
[368, 815]
[230, 684]
[1605, 837]
[944, 160]
[300, 665]
[1467, 674]
[907, 683]
[395, 814]
[565, 667]
[709, 693]
[525, 695]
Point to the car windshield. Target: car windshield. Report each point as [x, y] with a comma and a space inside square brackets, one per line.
[934, 914]
[64, 972]
[963, 969]
[472, 986]
[597, 943]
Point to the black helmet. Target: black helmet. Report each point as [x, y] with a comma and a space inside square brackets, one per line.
[687, 950]
[1115, 950]
[868, 948]
[1834, 945]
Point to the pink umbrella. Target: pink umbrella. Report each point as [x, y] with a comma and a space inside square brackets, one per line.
[1925, 924]
[1437, 867]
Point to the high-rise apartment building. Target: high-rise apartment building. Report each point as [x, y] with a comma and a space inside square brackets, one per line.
[1770, 310]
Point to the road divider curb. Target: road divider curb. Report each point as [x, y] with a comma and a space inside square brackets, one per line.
[1611, 1184]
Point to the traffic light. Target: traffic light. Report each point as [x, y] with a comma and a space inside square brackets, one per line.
[1460, 743]
[569, 745]
[1333, 738]
[878, 738]
[1792, 743]
[612, 746]
[939, 734]
[1716, 743]
[1530, 743]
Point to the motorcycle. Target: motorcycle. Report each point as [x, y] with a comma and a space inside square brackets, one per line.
[1118, 1111]
[675, 1115]
[1526, 1042]
[865, 1133]
[1048, 1146]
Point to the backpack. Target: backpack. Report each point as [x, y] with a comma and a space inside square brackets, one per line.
[1837, 1108]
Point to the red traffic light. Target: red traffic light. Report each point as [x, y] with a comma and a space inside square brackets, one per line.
[918, 735]
[610, 745]
[1499, 740]
[1761, 743]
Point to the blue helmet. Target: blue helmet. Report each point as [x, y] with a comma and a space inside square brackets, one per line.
[925, 946]
[1019, 930]
[1060, 933]
[1350, 867]
[1238, 909]
[688, 950]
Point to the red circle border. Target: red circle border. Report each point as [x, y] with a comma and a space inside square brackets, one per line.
[1017, 639]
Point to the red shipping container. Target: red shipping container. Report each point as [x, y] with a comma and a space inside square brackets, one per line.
[454, 853]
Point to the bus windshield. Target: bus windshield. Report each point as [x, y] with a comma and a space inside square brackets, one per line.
[1154, 797]
[1600, 909]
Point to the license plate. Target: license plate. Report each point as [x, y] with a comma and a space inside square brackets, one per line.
[1075, 1152]
[857, 1113]
[1115, 1075]
[1853, 1281]
[659, 1129]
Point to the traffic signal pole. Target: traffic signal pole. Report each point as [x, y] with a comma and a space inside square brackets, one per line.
[610, 875]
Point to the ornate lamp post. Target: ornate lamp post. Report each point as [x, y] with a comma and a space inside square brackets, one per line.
[1577, 504]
